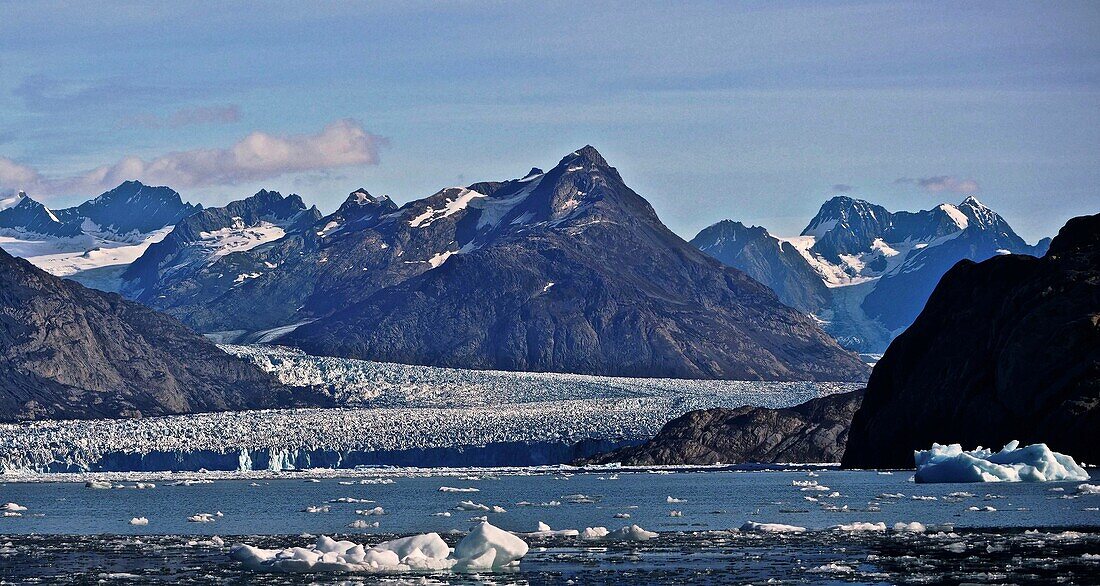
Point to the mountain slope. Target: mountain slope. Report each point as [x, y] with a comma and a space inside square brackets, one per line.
[1006, 349]
[25, 215]
[71, 352]
[765, 258]
[131, 207]
[874, 268]
[570, 270]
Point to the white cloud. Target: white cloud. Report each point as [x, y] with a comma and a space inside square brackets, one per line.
[258, 156]
[941, 183]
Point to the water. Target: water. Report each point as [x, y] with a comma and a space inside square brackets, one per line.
[72, 534]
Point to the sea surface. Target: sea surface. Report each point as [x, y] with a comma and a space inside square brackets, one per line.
[992, 532]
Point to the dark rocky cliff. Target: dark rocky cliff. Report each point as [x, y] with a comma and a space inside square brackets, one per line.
[813, 432]
[1005, 349]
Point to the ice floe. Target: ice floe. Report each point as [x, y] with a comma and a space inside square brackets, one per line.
[1033, 463]
[860, 526]
[139, 521]
[754, 527]
[485, 548]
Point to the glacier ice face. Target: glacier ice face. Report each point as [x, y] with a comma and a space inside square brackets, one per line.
[485, 548]
[1033, 463]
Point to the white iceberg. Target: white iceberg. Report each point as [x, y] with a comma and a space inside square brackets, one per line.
[12, 507]
[628, 533]
[1088, 489]
[859, 526]
[1034, 463]
[544, 530]
[754, 527]
[484, 548]
[139, 521]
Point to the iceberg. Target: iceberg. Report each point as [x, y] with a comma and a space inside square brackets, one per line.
[1034, 463]
[485, 548]
[754, 527]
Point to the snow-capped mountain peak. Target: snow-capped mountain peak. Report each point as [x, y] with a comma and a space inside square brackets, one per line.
[12, 200]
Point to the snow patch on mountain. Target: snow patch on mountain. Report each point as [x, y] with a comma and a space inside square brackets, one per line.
[237, 238]
[456, 199]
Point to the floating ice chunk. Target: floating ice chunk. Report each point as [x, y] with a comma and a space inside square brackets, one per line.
[593, 533]
[487, 547]
[98, 484]
[675, 513]
[1034, 463]
[672, 500]
[914, 527]
[832, 568]
[201, 518]
[317, 509]
[621, 515]
[375, 512]
[859, 526]
[144, 485]
[544, 530]
[442, 514]
[985, 509]
[1088, 489]
[361, 524]
[960, 495]
[755, 527]
[454, 489]
[139, 521]
[472, 506]
[484, 548]
[1091, 557]
[12, 507]
[633, 533]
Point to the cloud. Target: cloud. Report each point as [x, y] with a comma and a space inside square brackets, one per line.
[258, 156]
[187, 117]
[941, 183]
[842, 188]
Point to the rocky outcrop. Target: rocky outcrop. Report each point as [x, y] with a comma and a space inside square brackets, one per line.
[75, 353]
[813, 432]
[1005, 349]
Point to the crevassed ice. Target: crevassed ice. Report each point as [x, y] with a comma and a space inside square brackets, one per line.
[1033, 463]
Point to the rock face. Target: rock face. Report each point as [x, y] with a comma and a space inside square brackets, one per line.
[874, 268]
[76, 353]
[765, 258]
[813, 432]
[565, 270]
[1006, 349]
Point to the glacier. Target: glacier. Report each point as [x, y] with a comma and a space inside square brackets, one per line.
[392, 414]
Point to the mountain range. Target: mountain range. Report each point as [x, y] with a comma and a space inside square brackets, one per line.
[565, 270]
[863, 271]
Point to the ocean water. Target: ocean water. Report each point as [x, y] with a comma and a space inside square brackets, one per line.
[1021, 532]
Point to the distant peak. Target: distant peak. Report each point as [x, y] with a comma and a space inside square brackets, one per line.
[586, 154]
[534, 172]
[972, 201]
[363, 197]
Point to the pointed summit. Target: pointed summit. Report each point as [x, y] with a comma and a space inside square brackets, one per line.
[584, 155]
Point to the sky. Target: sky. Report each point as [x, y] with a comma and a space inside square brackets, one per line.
[752, 111]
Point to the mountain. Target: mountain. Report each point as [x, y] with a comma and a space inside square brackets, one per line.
[130, 207]
[876, 268]
[813, 432]
[565, 270]
[1005, 349]
[765, 258]
[25, 215]
[91, 243]
[73, 353]
[192, 272]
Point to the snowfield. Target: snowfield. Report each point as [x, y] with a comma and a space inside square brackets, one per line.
[394, 414]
